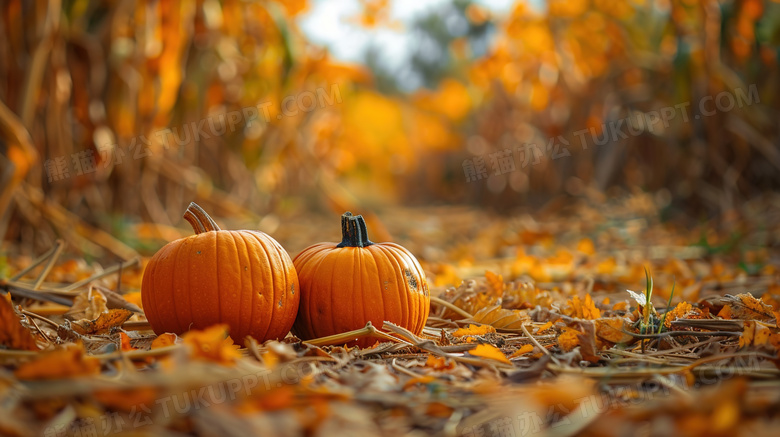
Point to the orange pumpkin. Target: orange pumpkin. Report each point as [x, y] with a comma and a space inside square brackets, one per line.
[345, 285]
[242, 278]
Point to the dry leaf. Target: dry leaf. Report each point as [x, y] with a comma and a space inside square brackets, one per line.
[67, 362]
[569, 339]
[212, 344]
[544, 327]
[88, 305]
[127, 399]
[611, 329]
[588, 347]
[12, 333]
[501, 318]
[124, 342]
[104, 323]
[474, 330]
[489, 351]
[681, 311]
[745, 307]
[495, 284]
[164, 340]
[439, 363]
[524, 349]
[758, 334]
[582, 309]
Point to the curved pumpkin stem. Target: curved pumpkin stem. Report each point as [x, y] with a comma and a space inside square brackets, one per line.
[199, 220]
[354, 231]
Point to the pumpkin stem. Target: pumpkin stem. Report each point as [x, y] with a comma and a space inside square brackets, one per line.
[354, 231]
[199, 220]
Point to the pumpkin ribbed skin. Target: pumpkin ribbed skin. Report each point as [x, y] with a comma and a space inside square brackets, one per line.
[242, 278]
[342, 288]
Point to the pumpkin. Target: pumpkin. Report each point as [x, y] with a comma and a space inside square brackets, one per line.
[345, 285]
[244, 279]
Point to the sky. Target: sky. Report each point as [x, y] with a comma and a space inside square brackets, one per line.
[326, 23]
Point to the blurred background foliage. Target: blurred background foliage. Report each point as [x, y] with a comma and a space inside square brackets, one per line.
[82, 79]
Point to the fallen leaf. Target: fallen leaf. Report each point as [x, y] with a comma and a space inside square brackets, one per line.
[127, 399]
[66, 362]
[569, 339]
[587, 337]
[439, 363]
[582, 309]
[745, 307]
[12, 333]
[489, 351]
[501, 318]
[611, 329]
[164, 340]
[103, 324]
[124, 342]
[679, 312]
[212, 344]
[524, 349]
[758, 334]
[474, 330]
[544, 327]
[495, 283]
[88, 305]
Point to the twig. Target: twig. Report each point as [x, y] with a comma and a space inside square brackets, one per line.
[684, 333]
[444, 303]
[35, 262]
[96, 276]
[539, 345]
[402, 370]
[40, 317]
[49, 265]
[18, 289]
[430, 346]
[136, 326]
[367, 331]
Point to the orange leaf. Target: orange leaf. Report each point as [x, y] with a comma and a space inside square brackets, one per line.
[544, 327]
[104, 323]
[524, 349]
[474, 330]
[164, 340]
[501, 318]
[419, 380]
[212, 344]
[439, 363]
[620, 306]
[680, 311]
[61, 363]
[126, 399]
[125, 342]
[12, 333]
[490, 352]
[746, 307]
[569, 339]
[611, 330]
[582, 309]
[586, 246]
[438, 409]
[495, 283]
[757, 333]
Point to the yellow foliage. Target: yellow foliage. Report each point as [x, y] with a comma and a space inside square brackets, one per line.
[69, 361]
[524, 349]
[212, 344]
[569, 339]
[582, 309]
[474, 330]
[489, 351]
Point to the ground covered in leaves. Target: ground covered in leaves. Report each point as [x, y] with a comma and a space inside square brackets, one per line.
[532, 332]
